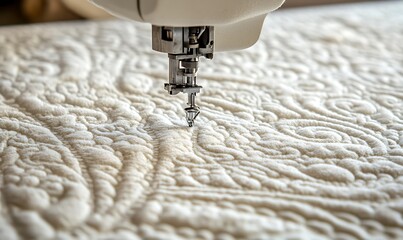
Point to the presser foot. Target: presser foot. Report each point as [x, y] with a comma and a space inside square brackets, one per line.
[192, 111]
[191, 115]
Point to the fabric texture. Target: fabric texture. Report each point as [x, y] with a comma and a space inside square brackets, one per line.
[300, 136]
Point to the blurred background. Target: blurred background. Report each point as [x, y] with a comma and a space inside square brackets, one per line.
[31, 11]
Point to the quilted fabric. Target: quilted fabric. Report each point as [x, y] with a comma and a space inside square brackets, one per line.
[300, 136]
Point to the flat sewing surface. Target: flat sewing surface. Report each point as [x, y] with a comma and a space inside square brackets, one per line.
[299, 136]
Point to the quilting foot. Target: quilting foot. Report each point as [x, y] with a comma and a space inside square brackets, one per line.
[192, 111]
[191, 115]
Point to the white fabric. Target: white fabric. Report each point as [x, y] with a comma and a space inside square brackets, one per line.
[299, 136]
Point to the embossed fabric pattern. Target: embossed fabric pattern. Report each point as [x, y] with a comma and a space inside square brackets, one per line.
[300, 136]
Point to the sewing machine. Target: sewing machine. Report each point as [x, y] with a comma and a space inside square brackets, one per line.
[190, 29]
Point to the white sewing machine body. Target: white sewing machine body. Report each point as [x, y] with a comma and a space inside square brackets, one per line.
[189, 29]
[237, 23]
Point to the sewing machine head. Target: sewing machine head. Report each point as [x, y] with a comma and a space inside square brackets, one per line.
[189, 29]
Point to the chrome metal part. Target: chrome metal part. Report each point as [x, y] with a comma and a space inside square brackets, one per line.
[184, 45]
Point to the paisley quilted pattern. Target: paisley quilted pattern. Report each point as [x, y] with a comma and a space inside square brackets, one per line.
[300, 136]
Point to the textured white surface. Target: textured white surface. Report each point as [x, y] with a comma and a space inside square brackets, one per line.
[300, 136]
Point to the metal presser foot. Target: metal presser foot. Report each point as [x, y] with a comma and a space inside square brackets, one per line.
[192, 111]
[184, 46]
